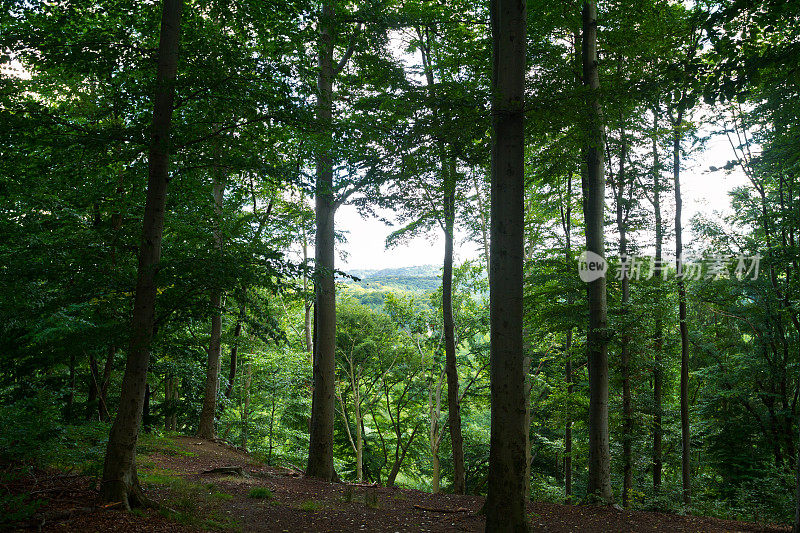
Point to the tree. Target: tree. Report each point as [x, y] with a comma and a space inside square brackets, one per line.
[208, 414]
[438, 142]
[566, 218]
[593, 209]
[686, 475]
[414, 325]
[622, 188]
[658, 333]
[677, 111]
[320, 451]
[366, 353]
[505, 501]
[365, 143]
[453, 404]
[120, 482]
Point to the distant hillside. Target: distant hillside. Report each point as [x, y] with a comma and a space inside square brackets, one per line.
[417, 281]
[419, 271]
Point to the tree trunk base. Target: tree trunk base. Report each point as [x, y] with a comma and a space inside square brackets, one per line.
[127, 496]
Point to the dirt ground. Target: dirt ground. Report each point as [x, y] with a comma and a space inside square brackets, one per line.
[297, 504]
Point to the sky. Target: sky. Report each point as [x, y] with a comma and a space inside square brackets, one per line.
[365, 246]
[702, 191]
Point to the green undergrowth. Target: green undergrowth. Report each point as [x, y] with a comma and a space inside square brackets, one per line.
[165, 444]
[42, 441]
[260, 492]
[15, 507]
[310, 506]
[193, 504]
[79, 449]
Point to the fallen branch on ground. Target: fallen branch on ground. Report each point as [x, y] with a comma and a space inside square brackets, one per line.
[230, 470]
[434, 510]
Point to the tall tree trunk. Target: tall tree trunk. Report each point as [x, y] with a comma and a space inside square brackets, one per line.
[320, 451]
[170, 403]
[237, 337]
[246, 408]
[448, 171]
[434, 433]
[505, 502]
[147, 417]
[120, 482]
[567, 224]
[686, 474]
[308, 305]
[627, 411]
[91, 401]
[71, 395]
[658, 336]
[208, 414]
[599, 486]
[568, 424]
[453, 404]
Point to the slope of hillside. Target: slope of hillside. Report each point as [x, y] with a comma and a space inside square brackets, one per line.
[179, 477]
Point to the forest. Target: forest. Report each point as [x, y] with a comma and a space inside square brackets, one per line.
[171, 263]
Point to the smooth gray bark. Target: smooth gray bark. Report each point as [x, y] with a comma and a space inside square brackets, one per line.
[625, 356]
[658, 336]
[208, 413]
[686, 475]
[505, 502]
[599, 485]
[320, 451]
[120, 482]
[170, 403]
[448, 175]
[451, 369]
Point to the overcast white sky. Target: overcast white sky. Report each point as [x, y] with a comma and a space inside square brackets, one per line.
[703, 192]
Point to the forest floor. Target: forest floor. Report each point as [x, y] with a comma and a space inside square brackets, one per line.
[281, 500]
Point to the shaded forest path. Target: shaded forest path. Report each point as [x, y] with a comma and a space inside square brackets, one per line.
[278, 499]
